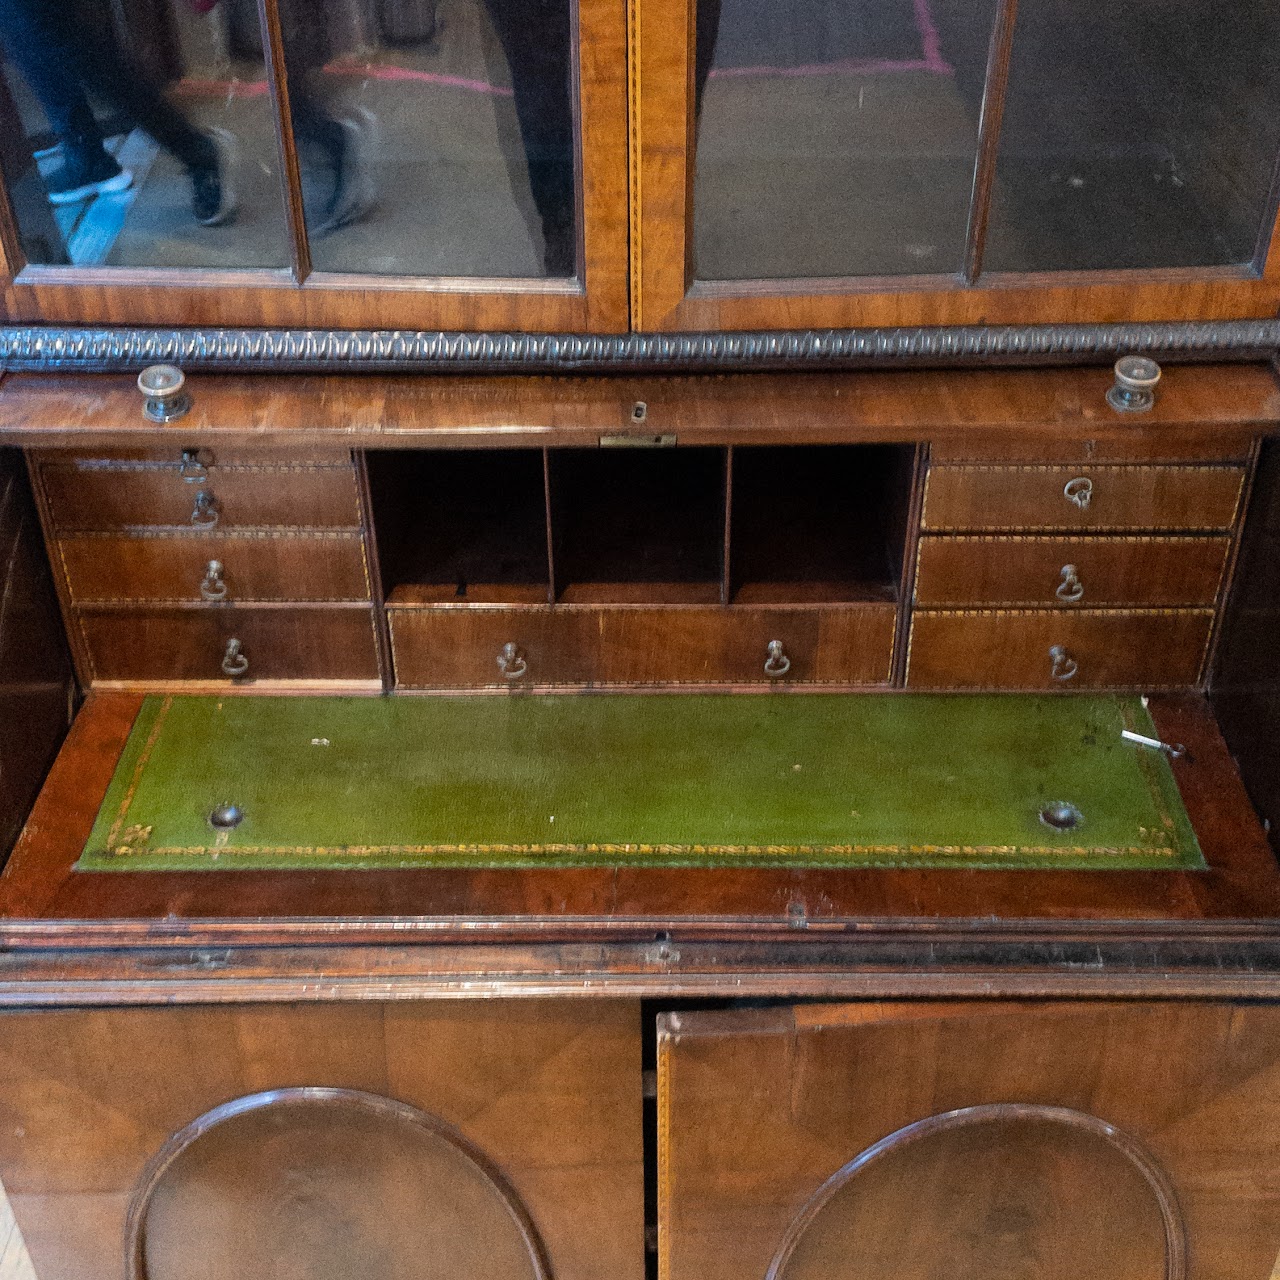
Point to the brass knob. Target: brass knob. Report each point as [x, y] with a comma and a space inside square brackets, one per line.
[1063, 665]
[776, 662]
[213, 586]
[192, 466]
[511, 661]
[164, 394]
[1079, 491]
[1134, 390]
[234, 662]
[1070, 589]
[205, 513]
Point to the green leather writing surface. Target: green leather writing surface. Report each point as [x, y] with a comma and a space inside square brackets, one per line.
[918, 780]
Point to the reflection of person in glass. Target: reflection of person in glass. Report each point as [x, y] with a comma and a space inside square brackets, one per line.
[536, 39]
[339, 152]
[67, 49]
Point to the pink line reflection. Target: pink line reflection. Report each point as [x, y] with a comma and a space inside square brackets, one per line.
[197, 87]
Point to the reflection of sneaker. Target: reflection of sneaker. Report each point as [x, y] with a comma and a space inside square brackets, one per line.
[85, 174]
[354, 192]
[213, 187]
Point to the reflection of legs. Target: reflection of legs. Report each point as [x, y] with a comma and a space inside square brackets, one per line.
[42, 41]
[342, 144]
[39, 41]
[64, 49]
[536, 39]
[106, 69]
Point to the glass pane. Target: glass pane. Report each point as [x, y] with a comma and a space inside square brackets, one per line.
[836, 137]
[439, 140]
[139, 133]
[1141, 133]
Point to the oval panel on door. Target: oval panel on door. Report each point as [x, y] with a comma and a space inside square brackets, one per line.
[1002, 1190]
[332, 1184]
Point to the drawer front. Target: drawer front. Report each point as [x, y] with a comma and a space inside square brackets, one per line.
[1069, 572]
[274, 644]
[829, 645]
[112, 495]
[1038, 649]
[1033, 497]
[460, 648]
[181, 567]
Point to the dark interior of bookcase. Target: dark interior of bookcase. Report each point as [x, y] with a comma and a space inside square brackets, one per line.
[800, 524]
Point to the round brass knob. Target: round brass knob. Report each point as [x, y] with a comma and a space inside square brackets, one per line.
[164, 394]
[1134, 390]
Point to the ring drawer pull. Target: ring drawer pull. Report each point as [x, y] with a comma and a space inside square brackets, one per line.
[204, 515]
[1064, 665]
[234, 662]
[1070, 589]
[511, 661]
[213, 586]
[191, 468]
[776, 662]
[1079, 491]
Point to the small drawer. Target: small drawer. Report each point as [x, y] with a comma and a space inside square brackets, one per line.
[1034, 497]
[469, 647]
[105, 495]
[1039, 649]
[232, 568]
[221, 642]
[676, 645]
[828, 645]
[1069, 572]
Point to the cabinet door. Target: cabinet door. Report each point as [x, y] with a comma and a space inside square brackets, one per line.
[326, 164]
[930, 162]
[483, 1140]
[908, 1141]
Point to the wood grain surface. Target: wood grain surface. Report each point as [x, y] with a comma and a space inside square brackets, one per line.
[758, 1109]
[1204, 412]
[548, 1092]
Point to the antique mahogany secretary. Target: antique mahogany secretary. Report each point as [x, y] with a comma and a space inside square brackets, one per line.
[684, 353]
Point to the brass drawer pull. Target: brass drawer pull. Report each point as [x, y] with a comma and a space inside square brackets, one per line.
[192, 467]
[1070, 589]
[1079, 491]
[204, 515]
[776, 662]
[213, 586]
[511, 661]
[1064, 665]
[234, 662]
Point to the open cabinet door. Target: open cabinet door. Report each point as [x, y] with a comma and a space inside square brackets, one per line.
[972, 1141]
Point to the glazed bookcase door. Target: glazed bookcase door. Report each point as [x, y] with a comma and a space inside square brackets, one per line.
[932, 162]
[899, 1141]
[348, 164]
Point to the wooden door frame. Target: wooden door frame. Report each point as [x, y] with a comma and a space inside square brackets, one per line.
[666, 297]
[295, 297]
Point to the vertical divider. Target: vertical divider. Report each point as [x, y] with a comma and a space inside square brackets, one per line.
[907, 574]
[990, 119]
[373, 564]
[551, 542]
[726, 564]
[278, 81]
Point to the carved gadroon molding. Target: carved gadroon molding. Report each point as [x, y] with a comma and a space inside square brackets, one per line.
[35, 347]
